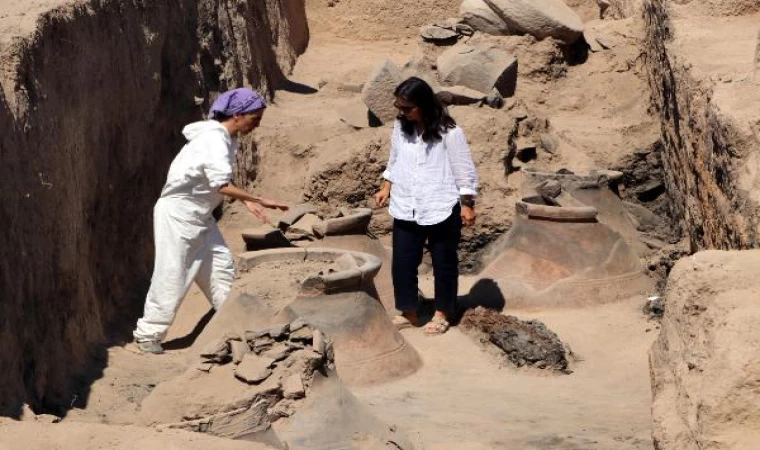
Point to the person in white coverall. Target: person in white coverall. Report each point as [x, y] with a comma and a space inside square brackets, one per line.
[189, 246]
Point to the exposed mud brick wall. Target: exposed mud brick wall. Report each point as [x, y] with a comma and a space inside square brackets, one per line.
[92, 104]
[704, 365]
[703, 151]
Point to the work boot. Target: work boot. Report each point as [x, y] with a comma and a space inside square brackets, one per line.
[150, 347]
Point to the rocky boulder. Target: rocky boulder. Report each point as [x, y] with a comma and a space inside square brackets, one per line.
[378, 91]
[482, 67]
[480, 16]
[539, 18]
[705, 364]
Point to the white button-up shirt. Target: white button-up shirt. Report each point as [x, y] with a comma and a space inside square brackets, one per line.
[427, 178]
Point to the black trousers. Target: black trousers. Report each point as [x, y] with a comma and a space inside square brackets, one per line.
[408, 243]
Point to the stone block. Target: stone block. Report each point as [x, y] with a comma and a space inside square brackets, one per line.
[378, 91]
[482, 67]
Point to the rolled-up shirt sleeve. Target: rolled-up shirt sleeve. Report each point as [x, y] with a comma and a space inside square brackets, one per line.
[395, 136]
[462, 166]
[217, 164]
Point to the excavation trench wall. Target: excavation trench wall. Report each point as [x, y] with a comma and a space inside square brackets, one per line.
[705, 151]
[93, 99]
[702, 59]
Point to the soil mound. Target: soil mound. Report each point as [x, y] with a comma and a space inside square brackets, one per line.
[525, 343]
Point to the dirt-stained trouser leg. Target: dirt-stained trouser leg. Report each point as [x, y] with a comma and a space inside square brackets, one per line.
[217, 271]
[180, 251]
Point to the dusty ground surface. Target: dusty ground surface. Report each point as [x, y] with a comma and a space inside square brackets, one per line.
[462, 398]
[80, 436]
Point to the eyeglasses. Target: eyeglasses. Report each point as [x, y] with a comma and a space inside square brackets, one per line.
[404, 109]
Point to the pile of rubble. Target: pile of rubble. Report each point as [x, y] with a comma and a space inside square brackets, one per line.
[524, 343]
[282, 360]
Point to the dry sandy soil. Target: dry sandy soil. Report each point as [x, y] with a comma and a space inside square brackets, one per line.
[463, 397]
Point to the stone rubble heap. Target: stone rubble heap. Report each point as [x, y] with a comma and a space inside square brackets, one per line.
[282, 360]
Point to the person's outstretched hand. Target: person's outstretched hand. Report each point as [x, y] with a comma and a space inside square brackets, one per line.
[257, 210]
[273, 204]
[381, 197]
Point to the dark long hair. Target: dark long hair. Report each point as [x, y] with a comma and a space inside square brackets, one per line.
[435, 118]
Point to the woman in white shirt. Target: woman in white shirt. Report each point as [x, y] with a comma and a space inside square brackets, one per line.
[431, 183]
[189, 246]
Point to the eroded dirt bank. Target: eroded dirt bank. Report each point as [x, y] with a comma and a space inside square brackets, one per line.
[702, 69]
[94, 95]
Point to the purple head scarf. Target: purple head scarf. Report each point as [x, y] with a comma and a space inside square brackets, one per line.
[237, 101]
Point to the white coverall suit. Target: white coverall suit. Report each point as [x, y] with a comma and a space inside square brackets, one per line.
[189, 246]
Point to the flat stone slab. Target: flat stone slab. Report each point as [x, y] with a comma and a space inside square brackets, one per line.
[292, 387]
[437, 33]
[278, 352]
[254, 369]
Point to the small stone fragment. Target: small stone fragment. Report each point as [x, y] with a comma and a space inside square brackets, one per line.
[262, 344]
[297, 324]
[549, 143]
[295, 345]
[217, 350]
[254, 369]
[239, 349]
[318, 342]
[302, 334]
[292, 387]
[275, 332]
[283, 408]
[205, 366]
[278, 352]
[437, 33]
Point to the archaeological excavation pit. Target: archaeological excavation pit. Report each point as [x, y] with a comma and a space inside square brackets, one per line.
[304, 355]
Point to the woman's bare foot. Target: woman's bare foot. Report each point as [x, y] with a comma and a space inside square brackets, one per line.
[437, 325]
